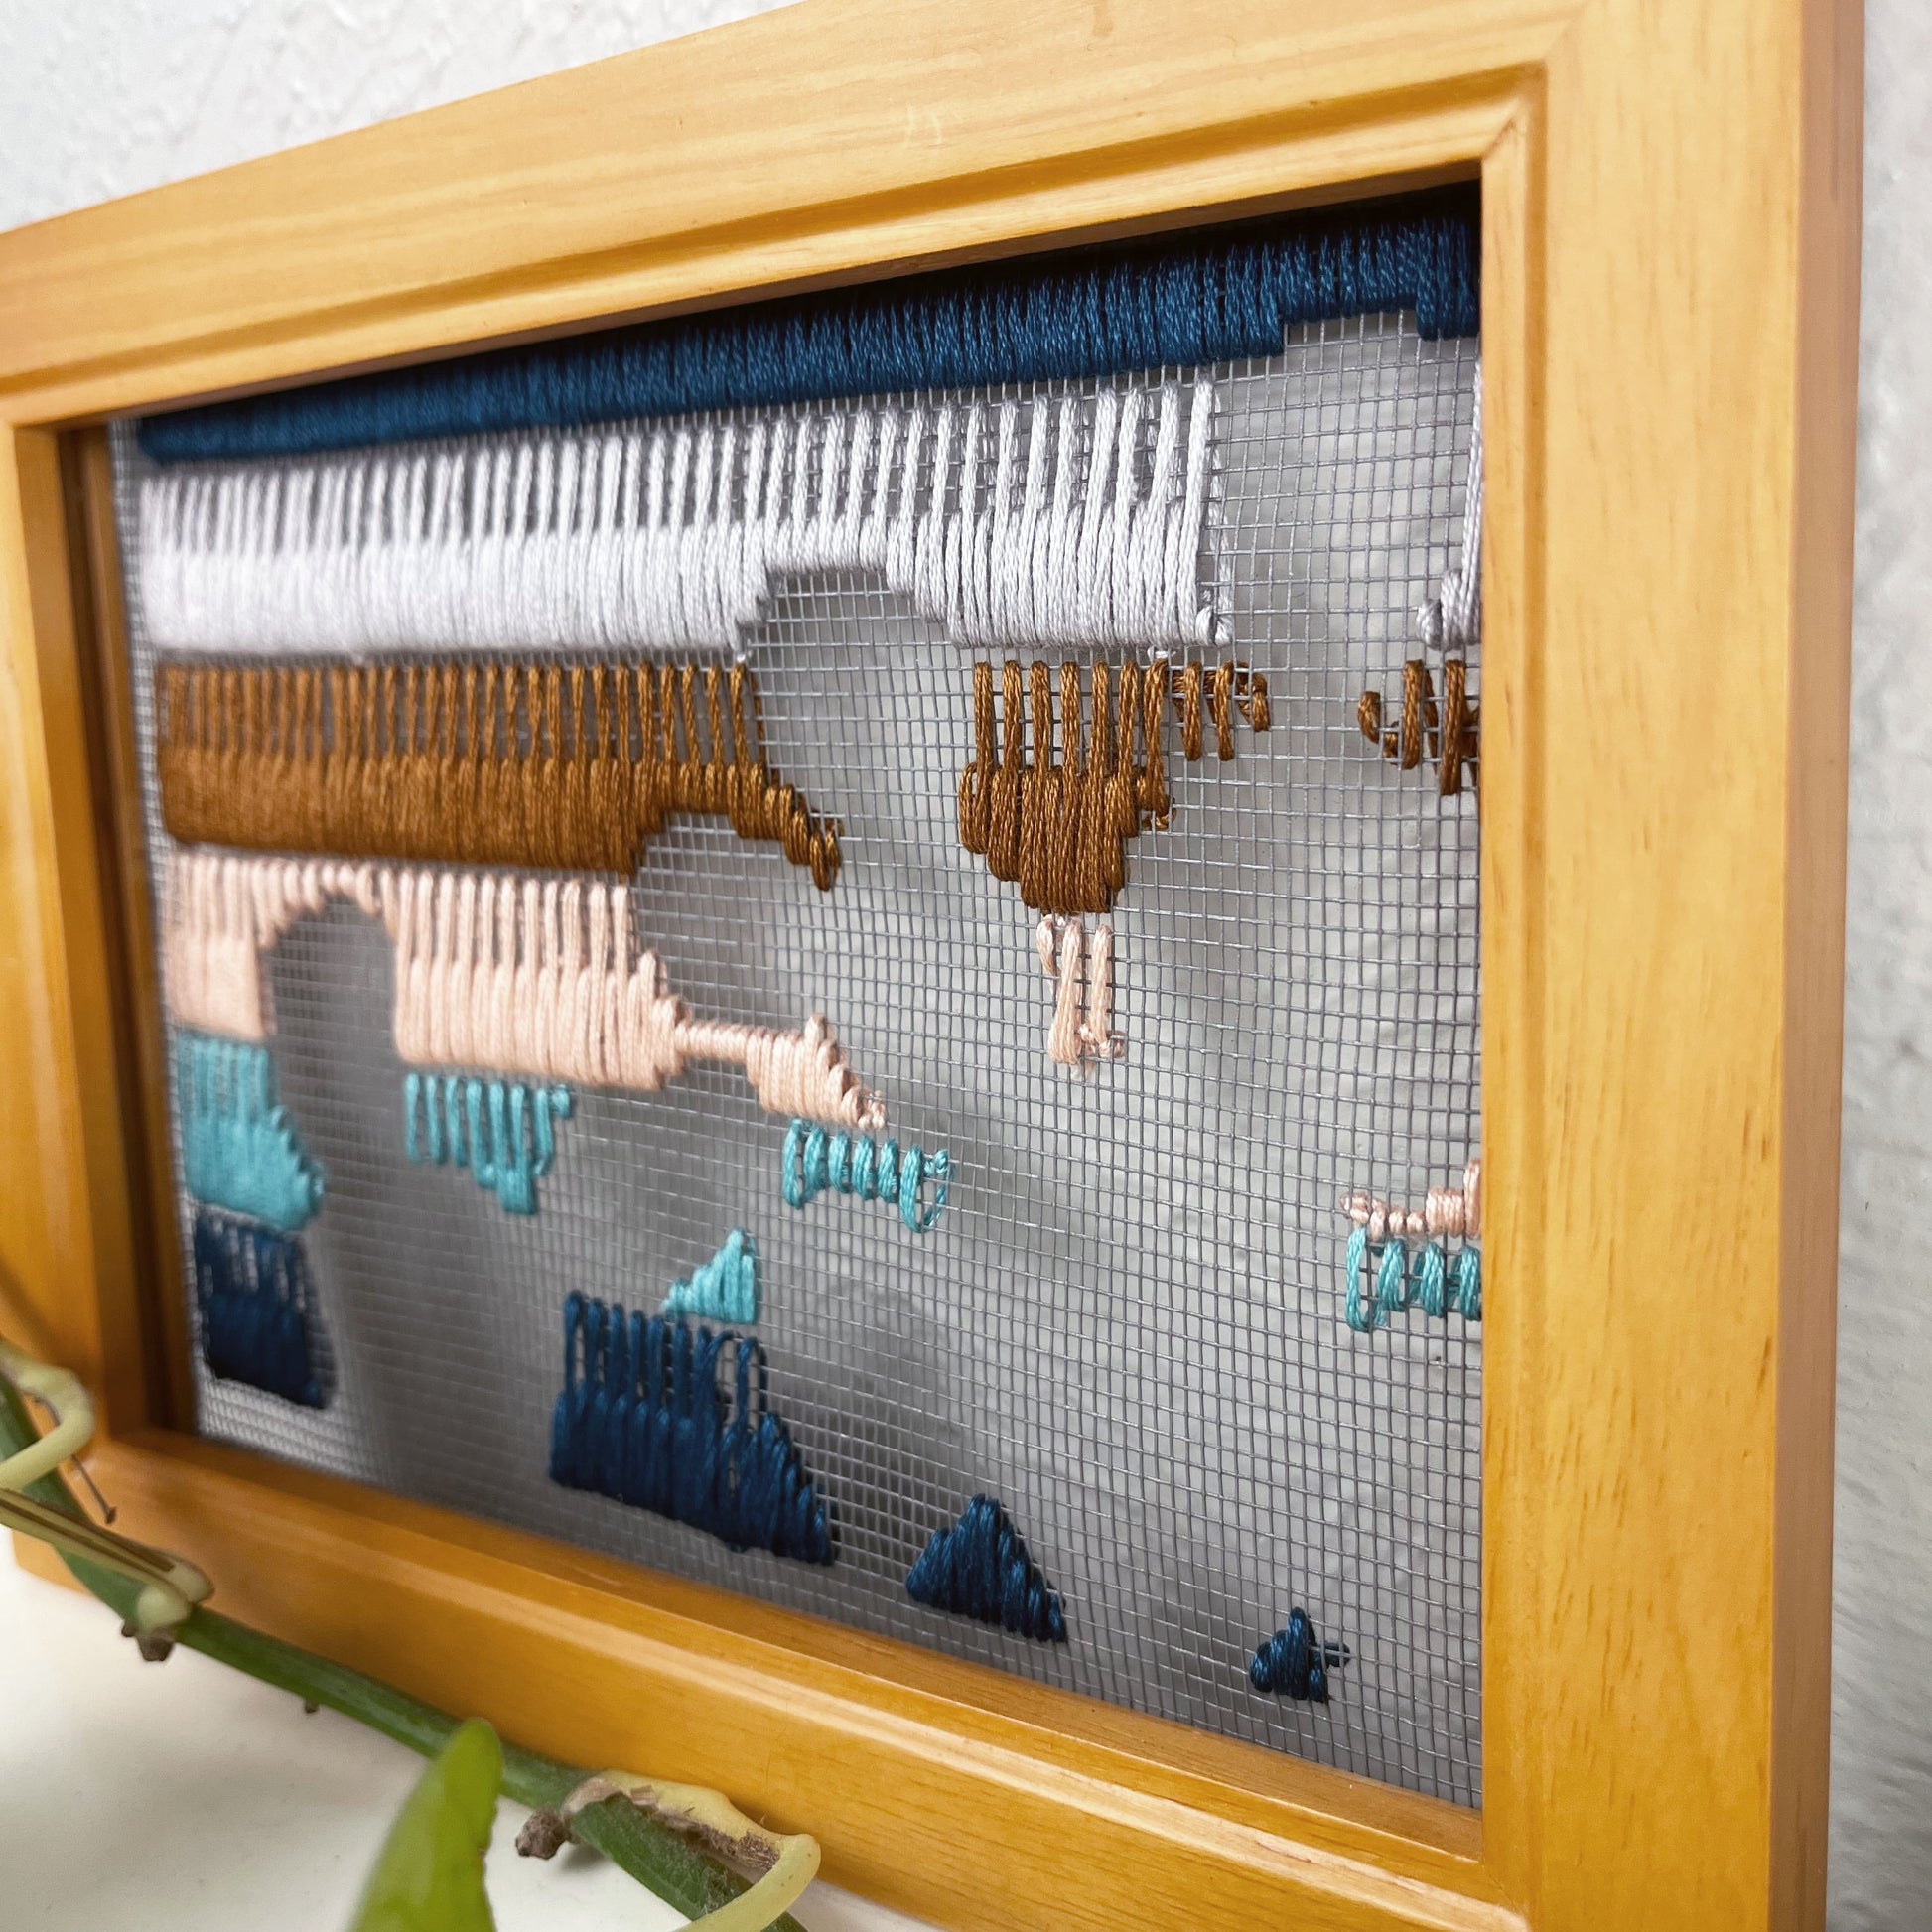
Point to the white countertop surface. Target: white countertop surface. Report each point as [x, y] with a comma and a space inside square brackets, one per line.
[163, 1798]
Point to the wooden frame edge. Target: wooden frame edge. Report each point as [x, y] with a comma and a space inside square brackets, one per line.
[1744, 1847]
[592, 1657]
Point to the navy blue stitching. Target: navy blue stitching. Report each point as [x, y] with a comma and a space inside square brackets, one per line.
[1295, 1662]
[257, 1309]
[980, 1567]
[1170, 304]
[641, 1421]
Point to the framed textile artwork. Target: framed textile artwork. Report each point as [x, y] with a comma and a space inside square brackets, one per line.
[886, 968]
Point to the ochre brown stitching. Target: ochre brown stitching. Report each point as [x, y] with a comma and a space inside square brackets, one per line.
[1056, 822]
[1451, 735]
[977, 780]
[513, 765]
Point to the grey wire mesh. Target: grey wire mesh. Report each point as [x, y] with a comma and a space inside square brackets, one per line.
[1128, 1324]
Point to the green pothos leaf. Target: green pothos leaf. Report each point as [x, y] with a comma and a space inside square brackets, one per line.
[429, 1875]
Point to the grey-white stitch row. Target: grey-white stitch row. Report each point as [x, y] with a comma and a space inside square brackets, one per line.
[1075, 520]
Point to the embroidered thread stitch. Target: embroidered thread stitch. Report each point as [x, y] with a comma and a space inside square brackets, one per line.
[256, 1310]
[1056, 823]
[1451, 733]
[980, 1567]
[1451, 623]
[870, 1169]
[1452, 1213]
[1295, 1662]
[532, 978]
[1452, 620]
[238, 1148]
[1079, 520]
[568, 769]
[1378, 1253]
[723, 1289]
[220, 915]
[1133, 306]
[641, 1421]
[1081, 968]
[541, 977]
[503, 1131]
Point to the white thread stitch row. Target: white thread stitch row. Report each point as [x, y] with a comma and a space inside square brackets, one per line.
[1061, 528]
[1452, 621]
[498, 973]
[1083, 971]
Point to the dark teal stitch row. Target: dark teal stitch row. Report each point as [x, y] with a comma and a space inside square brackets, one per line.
[1398, 1281]
[868, 1170]
[238, 1148]
[500, 1130]
[1172, 303]
[980, 1567]
[641, 1421]
[1295, 1662]
[257, 1309]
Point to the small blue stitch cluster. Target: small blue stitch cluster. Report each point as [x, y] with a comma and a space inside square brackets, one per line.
[501, 1130]
[815, 1159]
[238, 1149]
[1426, 1281]
[641, 1421]
[723, 1289]
[256, 1308]
[1097, 312]
[980, 1567]
[1293, 1662]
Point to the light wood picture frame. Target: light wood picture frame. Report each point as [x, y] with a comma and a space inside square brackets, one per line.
[1670, 214]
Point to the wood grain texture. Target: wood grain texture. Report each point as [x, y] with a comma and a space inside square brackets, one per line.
[925, 133]
[1663, 1280]
[67, 1241]
[128, 921]
[872, 1743]
[1669, 309]
[1831, 199]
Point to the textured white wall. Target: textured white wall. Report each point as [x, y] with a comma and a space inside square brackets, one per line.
[1881, 1665]
[101, 98]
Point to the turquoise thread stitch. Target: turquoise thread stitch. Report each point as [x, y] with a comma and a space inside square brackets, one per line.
[1392, 1278]
[1432, 1277]
[723, 1289]
[1468, 1284]
[503, 1131]
[980, 1567]
[871, 1170]
[1399, 1282]
[1362, 1316]
[239, 1150]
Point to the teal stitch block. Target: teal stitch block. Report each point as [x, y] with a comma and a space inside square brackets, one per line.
[239, 1150]
[503, 1131]
[1468, 1284]
[1399, 1282]
[870, 1169]
[723, 1289]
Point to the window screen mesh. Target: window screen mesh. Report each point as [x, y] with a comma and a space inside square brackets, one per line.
[1128, 1324]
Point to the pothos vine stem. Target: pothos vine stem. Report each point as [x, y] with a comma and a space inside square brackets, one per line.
[679, 1869]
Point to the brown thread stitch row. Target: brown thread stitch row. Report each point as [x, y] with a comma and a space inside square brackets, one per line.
[566, 768]
[1449, 735]
[1059, 824]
